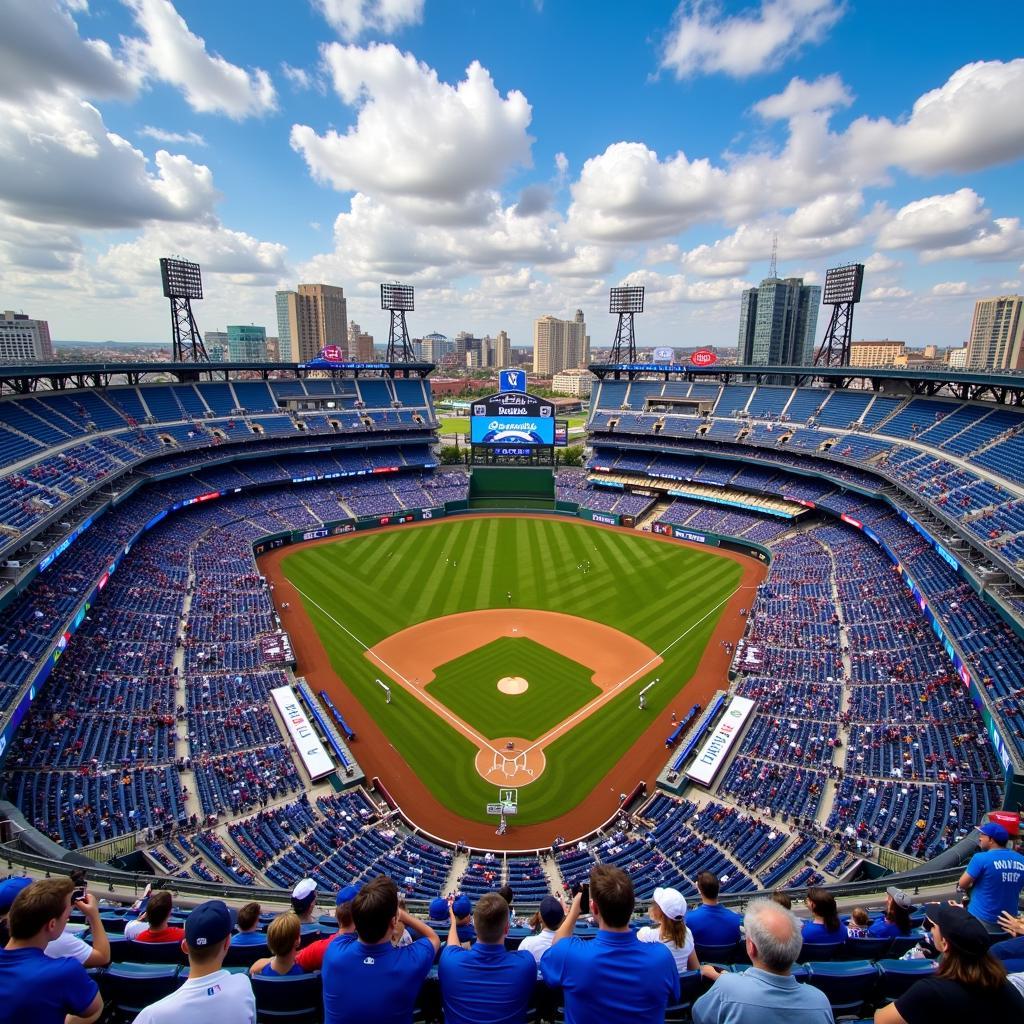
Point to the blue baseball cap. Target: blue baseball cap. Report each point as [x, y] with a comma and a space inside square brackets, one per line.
[995, 832]
[9, 890]
[211, 922]
[439, 909]
[348, 894]
[552, 913]
[462, 906]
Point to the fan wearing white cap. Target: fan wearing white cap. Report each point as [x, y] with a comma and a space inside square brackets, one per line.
[668, 912]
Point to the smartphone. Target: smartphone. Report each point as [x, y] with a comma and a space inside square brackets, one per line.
[585, 897]
[78, 877]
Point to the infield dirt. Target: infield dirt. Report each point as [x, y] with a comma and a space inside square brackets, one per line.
[378, 758]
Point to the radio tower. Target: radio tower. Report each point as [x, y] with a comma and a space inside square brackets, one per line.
[773, 267]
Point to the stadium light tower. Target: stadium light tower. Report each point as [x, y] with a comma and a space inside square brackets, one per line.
[398, 299]
[626, 300]
[842, 293]
[182, 283]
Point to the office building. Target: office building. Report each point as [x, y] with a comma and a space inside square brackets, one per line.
[778, 320]
[560, 344]
[502, 350]
[877, 353]
[247, 343]
[216, 345]
[23, 340]
[273, 350]
[360, 344]
[310, 319]
[574, 381]
[996, 341]
[956, 358]
[434, 347]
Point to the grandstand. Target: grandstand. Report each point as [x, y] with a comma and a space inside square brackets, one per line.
[137, 630]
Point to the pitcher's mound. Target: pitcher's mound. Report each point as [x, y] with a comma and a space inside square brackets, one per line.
[513, 684]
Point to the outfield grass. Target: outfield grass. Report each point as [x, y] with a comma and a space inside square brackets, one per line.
[468, 686]
[378, 583]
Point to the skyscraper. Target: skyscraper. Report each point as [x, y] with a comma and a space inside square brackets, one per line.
[23, 340]
[560, 344]
[311, 318]
[997, 334]
[247, 343]
[778, 320]
[502, 350]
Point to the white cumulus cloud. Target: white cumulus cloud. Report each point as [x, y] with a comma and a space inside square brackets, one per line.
[87, 176]
[417, 139]
[705, 40]
[352, 18]
[800, 97]
[170, 52]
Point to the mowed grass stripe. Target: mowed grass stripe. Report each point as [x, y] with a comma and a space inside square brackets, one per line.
[650, 590]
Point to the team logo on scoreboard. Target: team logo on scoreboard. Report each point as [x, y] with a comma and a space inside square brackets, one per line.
[511, 380]
[479, 410]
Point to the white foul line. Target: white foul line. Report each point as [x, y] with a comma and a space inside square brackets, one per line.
[395, 674]
[603, 699]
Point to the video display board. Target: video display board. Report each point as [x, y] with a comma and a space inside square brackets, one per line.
[512, 419]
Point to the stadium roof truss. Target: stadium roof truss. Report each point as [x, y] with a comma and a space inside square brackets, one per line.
[24, 379]
[1000, 388]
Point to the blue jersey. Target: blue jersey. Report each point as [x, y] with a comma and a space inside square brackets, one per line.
[378, 983]
[36, 988]
[612, 977]
[714, 925]
[998, 879]
[487, 984]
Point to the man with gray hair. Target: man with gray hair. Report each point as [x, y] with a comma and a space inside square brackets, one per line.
[767, 993]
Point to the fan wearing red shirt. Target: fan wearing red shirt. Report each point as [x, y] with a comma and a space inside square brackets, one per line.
[157, 913]
[312, 957]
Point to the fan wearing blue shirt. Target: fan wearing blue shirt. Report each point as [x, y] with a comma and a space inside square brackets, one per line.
[615, 976]
[486, 984]
[34, 987]
[896, 919]
[711, 924]
[994, 877]
[826, 927]
[370, 979]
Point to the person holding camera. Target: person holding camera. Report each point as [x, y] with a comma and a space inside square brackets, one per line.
[614, 976]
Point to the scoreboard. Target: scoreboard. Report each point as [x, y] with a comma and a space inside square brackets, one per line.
[515, 427]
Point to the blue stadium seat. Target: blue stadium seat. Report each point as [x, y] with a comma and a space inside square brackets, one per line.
[156, 953]
[866, 949]
[730, 953]
[127, 988]
[896, 976]
[820, 952]
[849, 986]
[296, 999]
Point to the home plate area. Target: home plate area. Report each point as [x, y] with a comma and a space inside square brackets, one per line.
[511, 761]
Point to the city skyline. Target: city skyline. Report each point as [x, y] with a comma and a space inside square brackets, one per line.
[318, 147]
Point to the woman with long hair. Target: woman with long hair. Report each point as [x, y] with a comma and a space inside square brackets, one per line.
[825, 926]
[896, 919]
[668, 912]
[969, 982]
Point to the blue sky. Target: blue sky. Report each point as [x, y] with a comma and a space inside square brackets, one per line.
[509, 159]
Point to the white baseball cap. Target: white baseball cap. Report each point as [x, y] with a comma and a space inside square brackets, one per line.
[304, 890]
[671, 902]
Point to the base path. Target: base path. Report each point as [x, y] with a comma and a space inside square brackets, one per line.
[377, 757]
[412, 656]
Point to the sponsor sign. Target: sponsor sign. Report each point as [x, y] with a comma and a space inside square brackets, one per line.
[703, 357]
[597, 517]
[276, 647]
[315, 759]
[664, 355]
[712, 756]
[314, 534]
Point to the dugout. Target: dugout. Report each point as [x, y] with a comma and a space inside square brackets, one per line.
[520, 487]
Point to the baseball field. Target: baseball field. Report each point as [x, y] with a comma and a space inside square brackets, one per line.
[514, 649]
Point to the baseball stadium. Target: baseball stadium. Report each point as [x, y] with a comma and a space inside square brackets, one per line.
[254, 632]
